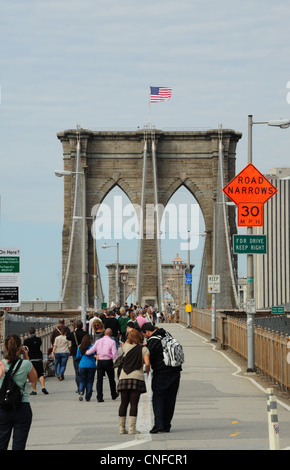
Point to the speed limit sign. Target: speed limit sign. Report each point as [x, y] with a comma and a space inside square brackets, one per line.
[250, 214]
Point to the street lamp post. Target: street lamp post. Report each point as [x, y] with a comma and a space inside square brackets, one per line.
[61, 173]
[133, 288]
[124, 280]
[117, 269]
[283, 124]
[189, 285]
[177, 266]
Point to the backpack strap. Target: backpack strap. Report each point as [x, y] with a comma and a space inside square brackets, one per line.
[167, 335]
[14, 372]
[13, 365]
[154, 337]
[76, 339]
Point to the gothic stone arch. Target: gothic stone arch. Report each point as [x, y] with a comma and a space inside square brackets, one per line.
[111, 157]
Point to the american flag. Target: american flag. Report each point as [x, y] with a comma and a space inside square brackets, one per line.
[159, 93]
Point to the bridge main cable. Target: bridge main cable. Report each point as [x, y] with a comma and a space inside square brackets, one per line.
[158, 220]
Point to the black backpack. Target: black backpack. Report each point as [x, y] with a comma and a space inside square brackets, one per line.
[10, 392]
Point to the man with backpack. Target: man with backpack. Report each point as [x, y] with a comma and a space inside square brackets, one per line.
[166, 357]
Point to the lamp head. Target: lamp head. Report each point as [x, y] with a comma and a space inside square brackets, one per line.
[61, 173]
[282, 123]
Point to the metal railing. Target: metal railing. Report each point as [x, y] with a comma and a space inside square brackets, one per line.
[272, 348]
[43, 333]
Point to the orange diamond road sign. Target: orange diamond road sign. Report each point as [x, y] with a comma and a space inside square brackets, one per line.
[249, 190]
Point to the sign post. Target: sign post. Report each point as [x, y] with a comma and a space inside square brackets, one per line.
[213, 286]
[9, 277]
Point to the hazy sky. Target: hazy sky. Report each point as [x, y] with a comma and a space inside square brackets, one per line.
[91, 62]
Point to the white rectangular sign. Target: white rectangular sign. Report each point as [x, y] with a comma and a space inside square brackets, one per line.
[9, 277]
[213, 284]
[251, 306]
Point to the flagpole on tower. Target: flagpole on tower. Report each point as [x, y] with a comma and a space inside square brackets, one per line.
[149, 117]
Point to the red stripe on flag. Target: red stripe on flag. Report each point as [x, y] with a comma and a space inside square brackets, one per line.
[164, 93]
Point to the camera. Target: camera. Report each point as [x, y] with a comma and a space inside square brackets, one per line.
[23, 350]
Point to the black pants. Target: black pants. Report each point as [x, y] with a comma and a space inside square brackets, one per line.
[164, 388]
[106, 366]
[76, 368]
[19, 421]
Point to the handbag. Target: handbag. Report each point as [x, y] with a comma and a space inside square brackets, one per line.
[118, 364]
[77, 358]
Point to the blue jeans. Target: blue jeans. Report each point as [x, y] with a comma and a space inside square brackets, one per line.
[60, 360]
[19, 421]
[87, 376]
[116, 339]
[164, 388]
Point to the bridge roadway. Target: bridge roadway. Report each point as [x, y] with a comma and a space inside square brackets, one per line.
[219, 407]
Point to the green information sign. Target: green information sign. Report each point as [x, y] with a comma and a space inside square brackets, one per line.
[9, 277]
[250, 244]
[9, 264]
[278, 310]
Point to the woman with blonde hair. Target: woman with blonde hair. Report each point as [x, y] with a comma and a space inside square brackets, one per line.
[123, 320]
[97, 329]
[133, 316]
[131, 381]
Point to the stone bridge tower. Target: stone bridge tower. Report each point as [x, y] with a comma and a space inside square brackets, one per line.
[149, 166]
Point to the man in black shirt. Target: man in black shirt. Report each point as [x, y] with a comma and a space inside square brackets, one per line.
[33, 344]
[165, 380]
[112, 323]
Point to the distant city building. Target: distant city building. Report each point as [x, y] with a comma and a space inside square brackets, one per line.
[272, 271]
[279, 173]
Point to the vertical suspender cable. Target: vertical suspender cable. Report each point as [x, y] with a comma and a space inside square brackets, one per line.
[158, 219]
[141, 221]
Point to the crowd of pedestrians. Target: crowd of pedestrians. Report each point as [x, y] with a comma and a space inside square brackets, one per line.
[119, 336]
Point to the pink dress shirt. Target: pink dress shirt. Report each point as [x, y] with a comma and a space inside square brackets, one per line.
[141, 320]
[105, 348]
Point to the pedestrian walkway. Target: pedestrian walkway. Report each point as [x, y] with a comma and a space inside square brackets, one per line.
[218, 408]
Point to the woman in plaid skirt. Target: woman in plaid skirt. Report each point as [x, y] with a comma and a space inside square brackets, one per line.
[131, 381]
